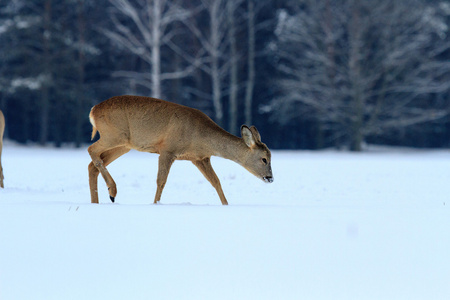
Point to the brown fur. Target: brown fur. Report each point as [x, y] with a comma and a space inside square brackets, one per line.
[175, 132]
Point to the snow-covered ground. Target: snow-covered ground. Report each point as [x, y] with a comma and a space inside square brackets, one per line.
[333, 225]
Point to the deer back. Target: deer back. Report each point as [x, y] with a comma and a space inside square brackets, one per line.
[154, 125]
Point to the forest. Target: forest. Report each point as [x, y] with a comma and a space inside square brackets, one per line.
[309, 74]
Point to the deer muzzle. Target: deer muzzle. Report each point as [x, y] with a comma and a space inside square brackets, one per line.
[268, 179]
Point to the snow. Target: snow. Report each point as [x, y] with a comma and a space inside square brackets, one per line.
[32, 83]
[333, 225]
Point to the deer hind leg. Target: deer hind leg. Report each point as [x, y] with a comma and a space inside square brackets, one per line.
[93, 176]
[205, 167]
[1, 168]
[165, 162]
[100, 159]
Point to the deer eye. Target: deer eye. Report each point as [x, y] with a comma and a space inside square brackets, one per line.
[264, 161]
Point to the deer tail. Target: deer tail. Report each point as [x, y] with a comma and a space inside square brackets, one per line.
[94, 129]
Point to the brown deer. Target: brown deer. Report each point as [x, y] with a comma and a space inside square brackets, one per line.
[175, 132]
[2, 130]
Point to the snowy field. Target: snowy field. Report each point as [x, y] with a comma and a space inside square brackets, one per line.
[333, 225]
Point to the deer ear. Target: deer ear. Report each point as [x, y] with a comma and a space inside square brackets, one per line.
[256, 134]
[247, 136]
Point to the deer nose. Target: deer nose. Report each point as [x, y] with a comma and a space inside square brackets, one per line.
[268, 179]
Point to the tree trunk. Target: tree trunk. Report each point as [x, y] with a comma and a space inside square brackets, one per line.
[250, 63]
[233, 112]
[356, 137]
[45, 101]
[156, 49]
[358, 103]
[81, 75]
[215, 56]
[217, 94]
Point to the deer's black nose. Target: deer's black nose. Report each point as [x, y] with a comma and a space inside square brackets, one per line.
[268, 179]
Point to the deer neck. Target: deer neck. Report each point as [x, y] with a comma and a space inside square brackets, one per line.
[230, 147]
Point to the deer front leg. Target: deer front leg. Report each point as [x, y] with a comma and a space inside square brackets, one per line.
[205, 167]
[165, 162]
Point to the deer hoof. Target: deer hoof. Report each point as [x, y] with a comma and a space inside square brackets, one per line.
[112, 199]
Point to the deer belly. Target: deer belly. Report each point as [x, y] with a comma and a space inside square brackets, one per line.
[155, 147]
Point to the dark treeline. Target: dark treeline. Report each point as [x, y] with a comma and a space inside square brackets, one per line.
[308, 73]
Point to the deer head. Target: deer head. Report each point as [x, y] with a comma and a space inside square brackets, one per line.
[258, 158]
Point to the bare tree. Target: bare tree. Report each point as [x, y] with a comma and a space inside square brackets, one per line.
[81, 24]
[214, 44]
[151, 30]
[358, 67]
[253, 27]
[234, 60]
[47, 57]
[250, 62]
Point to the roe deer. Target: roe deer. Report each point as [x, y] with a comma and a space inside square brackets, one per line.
[2, 130]
[175, 132]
